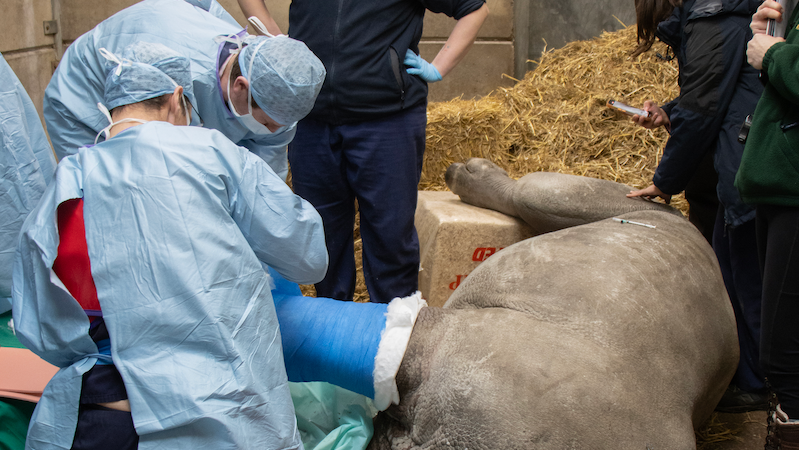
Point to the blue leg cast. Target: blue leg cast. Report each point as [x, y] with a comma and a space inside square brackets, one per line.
[357, 346]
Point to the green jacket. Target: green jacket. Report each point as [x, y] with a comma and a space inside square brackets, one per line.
[769, 171]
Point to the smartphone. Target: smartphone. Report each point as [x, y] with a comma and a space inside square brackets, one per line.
[778, 29]
[771, 27]
[629, 110]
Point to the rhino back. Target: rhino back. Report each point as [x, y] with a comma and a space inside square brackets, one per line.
[606, 335]
[499, 379]
[624, 286]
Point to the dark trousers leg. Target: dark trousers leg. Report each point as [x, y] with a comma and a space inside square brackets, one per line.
[703, 201]
[736, 250]
[101, 428]
[378, 162]
[387, 194]
[778, 242]
[319, 175]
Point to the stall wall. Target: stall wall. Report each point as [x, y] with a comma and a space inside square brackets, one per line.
[552, 24]
[513, 34]
[25, 46]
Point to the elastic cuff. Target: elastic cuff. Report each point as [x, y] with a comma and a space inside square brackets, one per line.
[769, 55]
[665, 187]
[400, 318]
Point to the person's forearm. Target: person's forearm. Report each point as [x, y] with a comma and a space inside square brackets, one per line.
[258, 9]
[459, 41]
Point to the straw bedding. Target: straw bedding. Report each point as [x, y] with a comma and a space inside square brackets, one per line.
[556, 119]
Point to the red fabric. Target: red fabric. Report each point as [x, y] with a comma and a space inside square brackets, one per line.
[72, 262]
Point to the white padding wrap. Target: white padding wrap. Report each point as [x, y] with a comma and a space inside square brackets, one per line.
[400, 317]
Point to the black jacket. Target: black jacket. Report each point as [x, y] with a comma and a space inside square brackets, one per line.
[718, 89]
[362, 44]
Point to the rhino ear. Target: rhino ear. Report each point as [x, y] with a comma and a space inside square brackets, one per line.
[400, 318]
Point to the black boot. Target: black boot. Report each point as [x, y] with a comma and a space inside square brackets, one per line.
[736, 400]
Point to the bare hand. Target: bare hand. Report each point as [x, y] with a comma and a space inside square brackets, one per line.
[768, 10]
[650, 193]
[757, 47]
[656, 118]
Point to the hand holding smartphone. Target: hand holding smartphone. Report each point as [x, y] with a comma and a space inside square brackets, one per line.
[629, 110]
[778, 29]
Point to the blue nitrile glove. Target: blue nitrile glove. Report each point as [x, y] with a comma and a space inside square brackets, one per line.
[419, 66]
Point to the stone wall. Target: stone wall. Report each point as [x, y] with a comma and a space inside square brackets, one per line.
[25, 46]
[554, 23]
[513, 34]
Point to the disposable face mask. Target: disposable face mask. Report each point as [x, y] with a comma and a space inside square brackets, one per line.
[247, 120]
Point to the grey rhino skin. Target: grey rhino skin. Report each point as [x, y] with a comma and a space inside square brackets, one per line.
[546, 201]
[597, 336]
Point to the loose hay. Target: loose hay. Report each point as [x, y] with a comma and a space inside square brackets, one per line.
[715, 432]
[556, 120]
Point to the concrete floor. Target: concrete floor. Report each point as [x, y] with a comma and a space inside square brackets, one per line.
[746, 431]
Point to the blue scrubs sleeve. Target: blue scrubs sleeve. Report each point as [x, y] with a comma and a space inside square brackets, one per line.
[284, 231]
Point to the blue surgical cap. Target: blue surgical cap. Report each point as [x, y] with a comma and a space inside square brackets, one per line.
[286, 76]
[145, 70]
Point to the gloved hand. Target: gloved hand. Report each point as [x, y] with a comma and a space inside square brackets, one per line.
[419, 66]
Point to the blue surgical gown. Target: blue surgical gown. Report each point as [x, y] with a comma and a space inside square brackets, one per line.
[26, 166]
[71, 97]
[179, 222]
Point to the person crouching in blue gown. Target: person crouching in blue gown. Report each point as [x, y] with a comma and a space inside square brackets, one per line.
[141, 275]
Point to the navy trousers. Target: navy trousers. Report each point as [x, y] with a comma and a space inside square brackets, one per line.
[703, 201]
[99, 427]
[736, 250]
[378, 163]
[778, 242]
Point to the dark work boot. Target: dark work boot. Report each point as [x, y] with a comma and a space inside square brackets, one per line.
[735, 400]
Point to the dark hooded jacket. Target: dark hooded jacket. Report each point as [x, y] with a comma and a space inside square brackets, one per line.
[718, 89]
[362, 44]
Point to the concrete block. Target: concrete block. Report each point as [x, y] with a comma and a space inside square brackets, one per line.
[454, 238]
[80, 16]
[479, 73]
[559, 22]
[279, 9]
[498, 24]
[21, 24]
[34, 69]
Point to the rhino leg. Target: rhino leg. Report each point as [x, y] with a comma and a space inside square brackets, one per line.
[480, 182]
[554, 201]
[546, 201]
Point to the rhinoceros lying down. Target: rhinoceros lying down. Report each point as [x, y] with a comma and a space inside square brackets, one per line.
[602, 335]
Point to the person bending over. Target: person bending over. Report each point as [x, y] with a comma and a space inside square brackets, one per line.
[141, 275]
